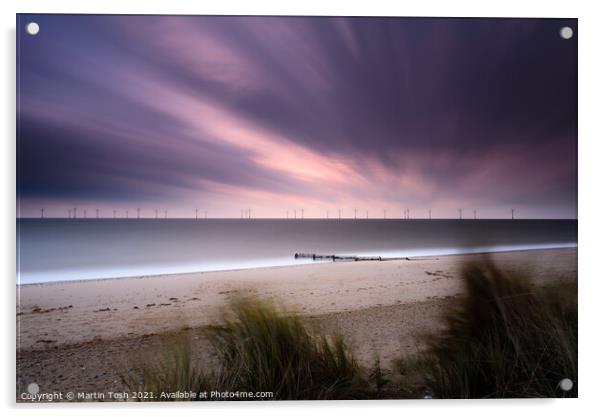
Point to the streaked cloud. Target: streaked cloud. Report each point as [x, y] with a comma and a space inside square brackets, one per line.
[272, 113]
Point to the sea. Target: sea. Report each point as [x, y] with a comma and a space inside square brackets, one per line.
[51, 250]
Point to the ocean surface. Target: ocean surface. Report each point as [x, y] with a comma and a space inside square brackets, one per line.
[51, 250]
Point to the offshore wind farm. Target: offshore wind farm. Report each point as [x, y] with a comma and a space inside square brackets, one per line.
[71, 213]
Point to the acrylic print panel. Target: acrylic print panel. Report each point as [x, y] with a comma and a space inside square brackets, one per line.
[274, 208]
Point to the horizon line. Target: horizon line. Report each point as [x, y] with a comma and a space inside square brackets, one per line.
[291, 219]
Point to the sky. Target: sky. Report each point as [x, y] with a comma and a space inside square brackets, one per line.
[282, 114]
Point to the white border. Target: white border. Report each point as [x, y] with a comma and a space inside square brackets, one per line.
[590, 137]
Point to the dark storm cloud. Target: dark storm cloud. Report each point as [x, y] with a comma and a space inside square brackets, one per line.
[69, 161]
[457, 83]
[323, 110]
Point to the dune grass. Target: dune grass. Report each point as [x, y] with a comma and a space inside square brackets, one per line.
[261, 348]
[170, 370]
[504, 339]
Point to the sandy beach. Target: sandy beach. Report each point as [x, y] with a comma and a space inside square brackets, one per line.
[77, 335]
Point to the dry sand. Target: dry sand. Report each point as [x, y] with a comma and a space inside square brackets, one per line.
[77, 335]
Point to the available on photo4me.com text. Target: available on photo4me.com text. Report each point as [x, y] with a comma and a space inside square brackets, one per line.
[141, 396]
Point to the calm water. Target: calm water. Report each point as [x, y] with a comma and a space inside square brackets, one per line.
[58, 250]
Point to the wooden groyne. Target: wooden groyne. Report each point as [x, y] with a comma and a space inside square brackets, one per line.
[337, 258]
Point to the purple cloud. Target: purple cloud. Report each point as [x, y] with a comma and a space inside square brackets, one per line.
[276, 113]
